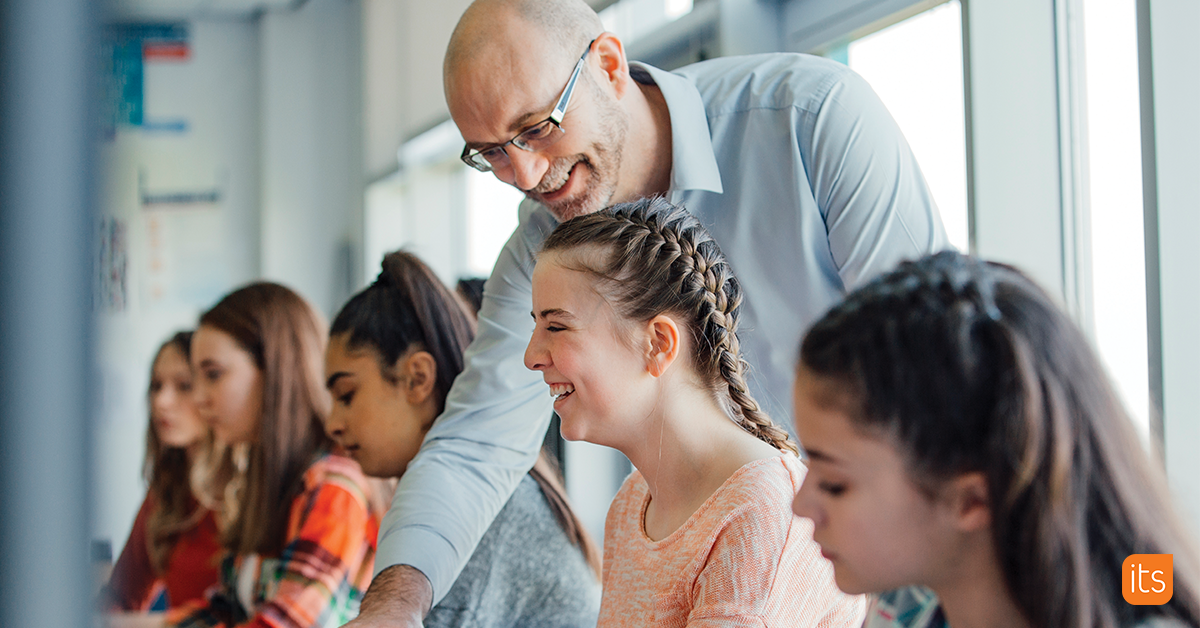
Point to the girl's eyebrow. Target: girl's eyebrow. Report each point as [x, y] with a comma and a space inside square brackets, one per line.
[334, 378]
[820, 456]
[555, 311]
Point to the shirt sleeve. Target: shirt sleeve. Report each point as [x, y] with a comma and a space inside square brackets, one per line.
[321, 559]
[133, 575]
[324, 552]
[487, 438]
[877, 207]
[733, 587]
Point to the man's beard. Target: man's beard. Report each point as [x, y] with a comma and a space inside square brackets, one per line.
[603, 169]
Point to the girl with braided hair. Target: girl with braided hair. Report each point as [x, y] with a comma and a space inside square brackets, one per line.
[636, 314]
[962, 436]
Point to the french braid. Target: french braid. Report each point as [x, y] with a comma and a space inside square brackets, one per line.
[657, 258]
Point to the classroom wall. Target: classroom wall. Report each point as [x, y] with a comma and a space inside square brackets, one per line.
[248, 164]
[312, 192]
[200, 137]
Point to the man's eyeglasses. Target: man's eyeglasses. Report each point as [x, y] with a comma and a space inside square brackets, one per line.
[537, 137]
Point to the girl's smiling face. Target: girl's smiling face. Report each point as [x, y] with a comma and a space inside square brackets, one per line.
[172, 407]
[871, 520]
[380, 421]
[591, 358]
[228, 386]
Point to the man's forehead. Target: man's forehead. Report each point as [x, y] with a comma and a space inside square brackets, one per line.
[505, 89]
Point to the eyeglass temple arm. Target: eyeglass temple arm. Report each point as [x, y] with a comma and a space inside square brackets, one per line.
[560, 108]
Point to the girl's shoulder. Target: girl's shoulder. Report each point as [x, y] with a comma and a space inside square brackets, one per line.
[336, 471]
[525, 531]
[525, 569]
[755, 502]
[763, 483]
[333, 467]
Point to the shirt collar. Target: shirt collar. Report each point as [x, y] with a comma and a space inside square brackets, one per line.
[694, 165]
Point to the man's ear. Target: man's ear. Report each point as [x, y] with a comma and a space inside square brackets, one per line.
[662, 344]
[610, 56]
[968, 499]
[419, 373]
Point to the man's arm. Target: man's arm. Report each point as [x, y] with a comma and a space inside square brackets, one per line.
[476, 452]
[877, 207]
[399, 596]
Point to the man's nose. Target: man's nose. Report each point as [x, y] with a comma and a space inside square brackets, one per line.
[528, 168]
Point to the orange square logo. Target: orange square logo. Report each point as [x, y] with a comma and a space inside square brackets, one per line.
[1148, 579]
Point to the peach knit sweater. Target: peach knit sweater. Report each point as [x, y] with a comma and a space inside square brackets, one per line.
[742, 559]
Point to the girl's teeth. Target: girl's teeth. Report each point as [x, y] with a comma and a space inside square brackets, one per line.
[558, 391]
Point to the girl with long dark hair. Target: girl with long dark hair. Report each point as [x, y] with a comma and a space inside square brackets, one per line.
[970, 459]
[394, 350]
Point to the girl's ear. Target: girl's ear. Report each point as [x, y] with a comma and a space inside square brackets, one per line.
[663, 344]
[418, 374]
[967, 496]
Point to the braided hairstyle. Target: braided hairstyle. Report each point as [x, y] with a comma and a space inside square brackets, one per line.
[656, 258]
[968, 366]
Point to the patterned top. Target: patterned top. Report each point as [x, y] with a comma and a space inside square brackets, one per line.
[742, 559]
[908, 607]
[318, 579]
[191, 567]
[918, 607]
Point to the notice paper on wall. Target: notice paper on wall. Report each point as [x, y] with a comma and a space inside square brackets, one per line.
[182, 214]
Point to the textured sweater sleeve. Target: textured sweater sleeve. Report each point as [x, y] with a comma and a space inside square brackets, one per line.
[764, 569]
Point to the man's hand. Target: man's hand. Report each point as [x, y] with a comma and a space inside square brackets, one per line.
[399, 597]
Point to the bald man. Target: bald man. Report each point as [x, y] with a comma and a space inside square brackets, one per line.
[790, 161]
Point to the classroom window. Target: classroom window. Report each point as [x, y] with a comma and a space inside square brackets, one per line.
[1114, 156]
[916, 67]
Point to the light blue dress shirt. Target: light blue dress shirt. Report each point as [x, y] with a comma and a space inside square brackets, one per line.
[801, 175]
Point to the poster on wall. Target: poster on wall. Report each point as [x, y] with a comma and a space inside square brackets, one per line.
[127, 48]
[183, 220]
[112, 266]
